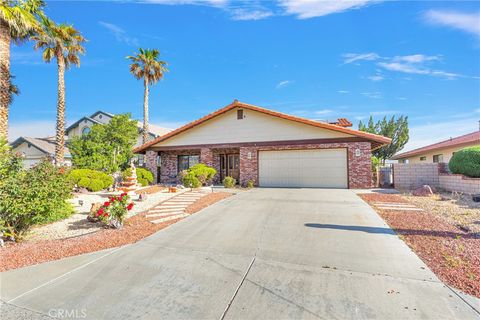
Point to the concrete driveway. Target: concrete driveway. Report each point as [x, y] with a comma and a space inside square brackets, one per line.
[262, 254]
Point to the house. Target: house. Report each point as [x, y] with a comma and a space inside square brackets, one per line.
[270, 148]
[440, 151]
[36, 149]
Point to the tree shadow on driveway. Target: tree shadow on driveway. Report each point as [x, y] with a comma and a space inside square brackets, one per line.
[381, 230]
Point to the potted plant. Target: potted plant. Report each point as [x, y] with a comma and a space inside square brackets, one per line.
[113, 211]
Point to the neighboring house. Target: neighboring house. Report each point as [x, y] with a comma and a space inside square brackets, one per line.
[271, 149]
[440, 151]
[35, 149]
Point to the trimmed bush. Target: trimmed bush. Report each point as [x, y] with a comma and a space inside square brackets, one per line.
[229, 182]
[250, 184]
[144, 176]
[84, 182]
[198, 175]
[466, 162]
[191, 181]
[95, 185]
[84, 178]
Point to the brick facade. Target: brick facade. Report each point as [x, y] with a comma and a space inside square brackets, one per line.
[359, 166]
[151, 163]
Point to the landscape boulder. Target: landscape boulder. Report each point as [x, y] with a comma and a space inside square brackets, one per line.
[424, 191]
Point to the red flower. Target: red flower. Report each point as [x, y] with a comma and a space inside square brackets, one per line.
[130, 206]
[106, 204]
[99, 212]
[123, 194]
[105, 214]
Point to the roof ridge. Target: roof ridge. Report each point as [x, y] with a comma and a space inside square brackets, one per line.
[376, 138]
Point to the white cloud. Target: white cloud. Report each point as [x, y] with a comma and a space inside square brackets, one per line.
[246, 14]
[401, 98]
[426, 134]
[120, 34]
[352, 57]
[305, 9]
[383, 113]
[324, 111]
[477, 110]
[343, 91]
[372, 95]
[416, 58]
[377, 77]
[413, 64]
[468, 22]
[30, 129]
[283, 84]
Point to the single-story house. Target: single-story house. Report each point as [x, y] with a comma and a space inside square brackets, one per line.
[35, 150]
[270, 148]
[439, 152]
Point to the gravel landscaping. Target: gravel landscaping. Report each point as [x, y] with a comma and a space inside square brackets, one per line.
[77, 224]
[436, 235]
[17, 255]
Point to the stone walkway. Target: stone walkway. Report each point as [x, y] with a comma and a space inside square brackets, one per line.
[401, 206]
[174, 208]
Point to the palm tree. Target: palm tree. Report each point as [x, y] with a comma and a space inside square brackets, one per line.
[64, 43]
[145, 65]
[18, 21]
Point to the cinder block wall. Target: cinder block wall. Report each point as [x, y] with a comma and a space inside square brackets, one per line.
[411, 176]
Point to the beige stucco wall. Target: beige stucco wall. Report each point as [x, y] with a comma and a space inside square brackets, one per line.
[447, 154]
[76, 131]
[254, 127]
[32, 155]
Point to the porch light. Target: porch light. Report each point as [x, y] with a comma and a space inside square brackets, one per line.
[249, 156]
[358, 153]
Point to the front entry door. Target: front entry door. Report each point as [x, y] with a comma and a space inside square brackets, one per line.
[233, 166]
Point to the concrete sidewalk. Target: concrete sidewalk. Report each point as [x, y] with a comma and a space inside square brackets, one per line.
[266, 253]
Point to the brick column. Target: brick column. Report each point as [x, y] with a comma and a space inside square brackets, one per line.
[248, 165]
[206, 156]
[151, 163]
[360, 165]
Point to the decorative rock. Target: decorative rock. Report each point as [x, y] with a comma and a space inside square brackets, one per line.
[91, 217]
[424, 191]
[476, 197]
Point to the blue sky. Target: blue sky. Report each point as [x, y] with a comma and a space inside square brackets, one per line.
[316, 59]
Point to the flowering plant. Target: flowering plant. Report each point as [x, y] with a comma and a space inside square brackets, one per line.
[115, 209]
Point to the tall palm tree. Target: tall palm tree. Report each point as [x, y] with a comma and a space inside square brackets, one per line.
[145, 65]
[18, 20]
[63, 43]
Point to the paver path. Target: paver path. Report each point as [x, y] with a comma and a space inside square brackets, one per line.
[174, 208]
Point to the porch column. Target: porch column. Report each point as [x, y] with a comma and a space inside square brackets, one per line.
[151, 163]
[248, 165]
[206, 156]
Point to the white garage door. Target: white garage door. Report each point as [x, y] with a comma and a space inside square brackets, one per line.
[318, 168]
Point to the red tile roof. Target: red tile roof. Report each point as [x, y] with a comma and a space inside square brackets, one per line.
[342, 122]
[376, 139]
[464, 140]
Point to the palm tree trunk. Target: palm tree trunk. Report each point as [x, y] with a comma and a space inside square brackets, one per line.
[60, 133]
[145, 111]
[4, 77]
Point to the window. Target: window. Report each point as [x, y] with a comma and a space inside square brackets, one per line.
[239, 114]
[85, 130]
[423, 158]
[438, 158]
[185, 162]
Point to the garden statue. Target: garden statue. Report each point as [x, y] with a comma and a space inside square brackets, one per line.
[129, 184]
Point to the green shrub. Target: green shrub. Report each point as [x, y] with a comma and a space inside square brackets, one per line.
[229, 182]
[466, 162]
[95, 185]
[250, 184]
[190, 180]
[144, 176]
[203, 172]
[84, 182]
[34, 196]
[84, 177]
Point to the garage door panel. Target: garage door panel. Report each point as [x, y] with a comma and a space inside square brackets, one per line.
[303, 168]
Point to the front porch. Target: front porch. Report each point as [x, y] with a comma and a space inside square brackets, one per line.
[226, 160]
